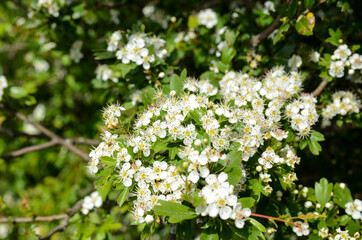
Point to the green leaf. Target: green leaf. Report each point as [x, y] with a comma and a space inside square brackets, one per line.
[183, 75]
[256, 186]
[316, 136]
[314, 147]
[109, 161]
[17, 92]
[308, 4]
[304, 26]
[101, 55]
[233, 168]
[122, 197]
[257, 224]
[246, 202]
[284, 28]
[176, 211]
[354, 226]
[341, 196]
[323, 191]
[193, 22]
[302, 144]
[104, 189]
[176, 83]
[227, 55]
[293, 7]
[209, 234]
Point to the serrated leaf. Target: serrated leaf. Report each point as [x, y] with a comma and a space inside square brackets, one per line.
[17, 92]
[323, 191]
[246, 202]
[176, 211]
[314, 147]
[305, 24]
[316, 136]
[227, 55]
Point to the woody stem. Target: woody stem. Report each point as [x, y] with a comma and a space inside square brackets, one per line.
[274, 218]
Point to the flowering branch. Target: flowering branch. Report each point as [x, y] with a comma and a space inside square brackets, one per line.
[270, 218]
[34, 148]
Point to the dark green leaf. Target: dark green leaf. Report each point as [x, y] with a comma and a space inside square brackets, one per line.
[176, 211]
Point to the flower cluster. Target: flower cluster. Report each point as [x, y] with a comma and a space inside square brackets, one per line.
[51, 5]
[354, 209]
[344, 102]
[301, 228]
[3, 85]
[207, 17]
[90, 202]
[302, 114]
[137, 48]
[219, 200]
[342, 57]
[75, 52]
[203, 129]
[104, 73]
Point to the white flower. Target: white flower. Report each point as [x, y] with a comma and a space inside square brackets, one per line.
[342, 52]
[354, 209]
[336, 69]
[314, 56]
[295, 62]
[3, 85]
[208, 18]
[355, 61]
[240, 215]
[113, 41]
[323, 233]
[302, 229]
[268, 7]
[149, 219]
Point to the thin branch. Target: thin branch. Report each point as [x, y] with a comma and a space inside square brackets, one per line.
[320, 87]
[264, 34]
[34, 148]
[65, 222]
[275, 219]
[33, 219]
[84, 141]
[49, 134]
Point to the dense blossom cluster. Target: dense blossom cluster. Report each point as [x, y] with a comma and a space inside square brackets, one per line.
[344, 102]
[137, 47]
[342, 58]
[90, 202]
[3, 85]
[246, 113]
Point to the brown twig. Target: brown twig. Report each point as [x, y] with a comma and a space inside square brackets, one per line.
[320, 87]
[49, 133]
[33, 219]
[264, 34]
[34, 148]
[65, 222]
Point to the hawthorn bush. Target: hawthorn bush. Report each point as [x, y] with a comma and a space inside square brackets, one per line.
[180, 120]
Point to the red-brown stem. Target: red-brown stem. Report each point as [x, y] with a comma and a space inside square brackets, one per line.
[274, 218]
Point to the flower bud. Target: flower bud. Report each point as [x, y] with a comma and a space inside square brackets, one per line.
[295, 191]
[205, 140]
[173, 93]
[328, 205]
[318, 205]
[308, 204]
[173, 19]
[350, 71]
[279, 193]
[197, 142]
[161, 75]
[342, 185]
[340, 41]
[259, 168]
